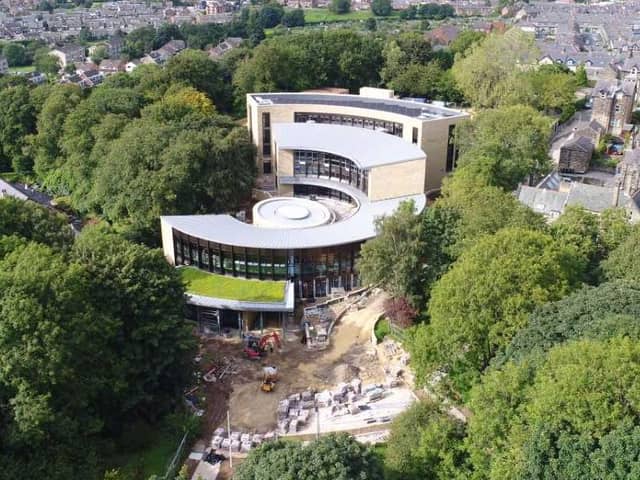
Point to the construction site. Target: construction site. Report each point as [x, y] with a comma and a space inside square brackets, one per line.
[325, 376]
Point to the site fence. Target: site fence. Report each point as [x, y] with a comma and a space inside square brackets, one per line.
[176, 460]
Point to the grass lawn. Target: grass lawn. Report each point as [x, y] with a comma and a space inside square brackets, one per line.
[323, 15]
[219, 286]
[25, 69]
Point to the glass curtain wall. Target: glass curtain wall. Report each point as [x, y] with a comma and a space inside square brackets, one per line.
[313, 270]
[392, 128]
[308, 163]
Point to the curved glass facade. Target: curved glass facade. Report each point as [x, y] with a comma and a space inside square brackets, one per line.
[309, 163]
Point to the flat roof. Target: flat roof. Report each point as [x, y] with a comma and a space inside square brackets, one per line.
[200, 282]
[367, 148]
[227, 230]
[408, 108]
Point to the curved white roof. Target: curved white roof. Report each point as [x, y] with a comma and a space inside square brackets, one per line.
[367, 148]
[227, 230]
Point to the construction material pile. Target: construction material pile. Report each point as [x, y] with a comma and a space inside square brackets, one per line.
[239, 442]
[350, 398]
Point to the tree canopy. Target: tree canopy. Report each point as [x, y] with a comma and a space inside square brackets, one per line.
[573, 414]
[483, 300]
[334, 457]
[424, 443]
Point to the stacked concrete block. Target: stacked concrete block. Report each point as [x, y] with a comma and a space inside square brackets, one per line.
[323, 399]
[216, 442]
[245, 447]
[235, 445]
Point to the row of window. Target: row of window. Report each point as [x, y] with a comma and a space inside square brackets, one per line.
[268, 264]
[307, 163]
[392, 128]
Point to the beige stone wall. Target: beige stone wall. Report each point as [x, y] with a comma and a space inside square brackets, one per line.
[284, 163]
[167, 241]
[398, 180]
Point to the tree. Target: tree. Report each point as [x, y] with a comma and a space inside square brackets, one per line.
[393, 258]
[464, 41]
[611, 309]
[370, 24]
[77, 336]
[139, 41]
[381, 8]
[15, 54]
[183, 161]
[99, 55]
[571, 414]
[592, 236]
[270, 14]
[340, 6]
[424, 443]
[581, 76]
[489, 75]
[400, 312]
[336, 457]
[483, 300]
[17, 120]
[194, 68]
[293, 18]
[508, 144]
[623, 262]
[45, 63]
[46, 143]
[480, 209]
[33, 222]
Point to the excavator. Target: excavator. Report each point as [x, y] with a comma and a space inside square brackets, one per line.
[256, 348]
[269, 378]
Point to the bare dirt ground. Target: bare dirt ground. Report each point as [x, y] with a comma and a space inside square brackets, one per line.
[350, 354]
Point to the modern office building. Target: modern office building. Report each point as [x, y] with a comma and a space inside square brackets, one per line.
[428, 126]
[338, 162]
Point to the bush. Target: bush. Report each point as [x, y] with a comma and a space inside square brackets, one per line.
[382, 329]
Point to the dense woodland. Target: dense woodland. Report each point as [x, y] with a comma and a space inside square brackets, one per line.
[531, 327]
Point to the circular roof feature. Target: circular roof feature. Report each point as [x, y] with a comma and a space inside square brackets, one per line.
[291, 212]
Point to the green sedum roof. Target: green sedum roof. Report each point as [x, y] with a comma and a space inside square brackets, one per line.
[208, 284]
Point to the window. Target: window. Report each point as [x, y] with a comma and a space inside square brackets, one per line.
[266, 134]
[392, 128]
[326, 165]
[266, 168]
[452, 151]
[414, 135]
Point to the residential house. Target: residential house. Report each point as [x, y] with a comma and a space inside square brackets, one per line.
[69, 54]
[224, 47]
[35, 78]
[554, 193]
[628, 172]
[443, 35]
[4, 65]
[613, 105]
[575, 155]
[216, 7]
[109, 67]
[164, 53]
[85, 67]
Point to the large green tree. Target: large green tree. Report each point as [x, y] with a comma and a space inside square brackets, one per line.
[572, 414]
[610, 309]
[506, 145]
[335, 457]
[34, 222]
[490, 74]
[393, 259]
[17, 121]
[425, 442]
[483, 300]
[623, 262]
